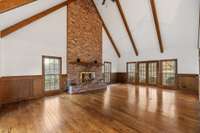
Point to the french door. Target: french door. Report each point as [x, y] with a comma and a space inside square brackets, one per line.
[107, 72]
[145, 73]
[153, 72]
[131, 71]
[153, 69]
[52, 73]
[168, 72]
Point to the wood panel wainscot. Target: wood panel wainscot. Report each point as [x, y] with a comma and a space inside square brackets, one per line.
[119, 77]
[188, 81]
[19, 88]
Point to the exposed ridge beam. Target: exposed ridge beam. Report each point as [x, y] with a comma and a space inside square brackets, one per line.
[157, 25]
[32, 19]
[126, 26]
[107, 31]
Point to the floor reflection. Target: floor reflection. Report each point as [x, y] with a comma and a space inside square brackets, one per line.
[146, 98]
[119, 108]
[107, 97]
[55, 111]
[168, 103]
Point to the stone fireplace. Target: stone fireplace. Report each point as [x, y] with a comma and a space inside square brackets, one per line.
[84, 43]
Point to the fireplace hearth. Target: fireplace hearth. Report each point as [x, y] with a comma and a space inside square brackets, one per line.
[88, 77]
[87, 82]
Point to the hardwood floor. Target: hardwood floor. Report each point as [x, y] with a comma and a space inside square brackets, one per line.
[119, 108]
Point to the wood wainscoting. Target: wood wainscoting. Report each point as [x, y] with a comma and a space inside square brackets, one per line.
[188, 82]
[19, 88]
[119, 77]
[183, 81]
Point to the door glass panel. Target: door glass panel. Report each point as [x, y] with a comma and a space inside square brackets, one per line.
[168, 73]
[152, 73]
[52, 73]
[142, 73]
[131, 68]
[107, 72]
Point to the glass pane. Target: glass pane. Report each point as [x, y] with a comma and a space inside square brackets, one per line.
[131, 72]
[168, 73]
[152, 67]
[142, 73]
[107, 72]
[52, 73]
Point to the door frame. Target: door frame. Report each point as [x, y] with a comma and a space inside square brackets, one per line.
[161, 74]
[136, 72]
[157, 73]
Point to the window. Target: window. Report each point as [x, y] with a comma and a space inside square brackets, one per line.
[51, 72]
[152, 73]
[142, 73]
[107, 72]
[169, 72]
[131, 70]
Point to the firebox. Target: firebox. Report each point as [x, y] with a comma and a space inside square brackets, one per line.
[86, 77]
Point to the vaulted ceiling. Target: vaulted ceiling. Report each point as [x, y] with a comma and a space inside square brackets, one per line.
[155, 26]
[135, 27]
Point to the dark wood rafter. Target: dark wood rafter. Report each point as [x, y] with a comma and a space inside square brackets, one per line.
[32, 19]
[157, 25]
[107, 31]
[7, 5]
[126, 26]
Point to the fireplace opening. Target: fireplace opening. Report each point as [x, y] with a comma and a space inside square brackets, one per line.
[86, 77]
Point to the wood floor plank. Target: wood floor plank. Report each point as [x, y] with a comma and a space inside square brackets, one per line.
[118, 109]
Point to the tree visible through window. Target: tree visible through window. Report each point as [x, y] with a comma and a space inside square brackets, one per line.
[168, 72]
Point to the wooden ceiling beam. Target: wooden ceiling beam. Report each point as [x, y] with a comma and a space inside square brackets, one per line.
[126, 26]
[7, 5]
[157, 25]
[107, 31]
[32, 19]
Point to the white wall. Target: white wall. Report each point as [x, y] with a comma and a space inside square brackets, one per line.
[109, 53]
[179, 29]
[13, 16]
[22, 50]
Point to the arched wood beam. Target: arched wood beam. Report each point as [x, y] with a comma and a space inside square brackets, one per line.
[157, 25]
[32, 19]
[126, 26]
[107, 31]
